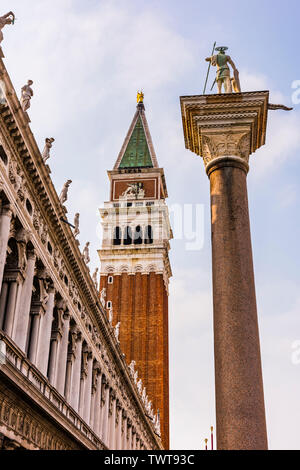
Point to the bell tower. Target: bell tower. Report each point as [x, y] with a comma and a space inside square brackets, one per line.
[135, 266]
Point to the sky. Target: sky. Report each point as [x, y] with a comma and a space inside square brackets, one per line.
[87, 59]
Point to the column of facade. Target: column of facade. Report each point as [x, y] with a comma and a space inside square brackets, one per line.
[76, 373]
[129, 435]
[112, 427]
[5, 219]
[104, 412]
[43, 348]
[124, 426]
[97, 403]
[133, 438]
[95, 370]
[81, 393]
[53, 357]
[36, 316]
[63, 352]
[11, 304]
[22, 313]
[119, 426]
[88, 388]
[3, 299]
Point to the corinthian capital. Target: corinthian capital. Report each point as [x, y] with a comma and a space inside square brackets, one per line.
[224, 144]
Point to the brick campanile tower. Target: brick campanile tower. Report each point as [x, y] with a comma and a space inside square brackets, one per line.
[135, 267]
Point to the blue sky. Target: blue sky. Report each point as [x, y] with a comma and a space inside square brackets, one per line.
[87, 59]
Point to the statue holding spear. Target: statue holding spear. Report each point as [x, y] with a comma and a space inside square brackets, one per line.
[221, 61]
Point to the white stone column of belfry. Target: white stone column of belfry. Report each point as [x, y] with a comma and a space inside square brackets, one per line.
[104, 416]
[63, 353]
[88, 389]
[43, 349]
[119, 426]
[76, 373]
[22, 315]
[225, 130]
[5, 219]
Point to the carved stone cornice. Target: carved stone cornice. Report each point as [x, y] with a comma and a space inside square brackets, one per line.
[227, 125]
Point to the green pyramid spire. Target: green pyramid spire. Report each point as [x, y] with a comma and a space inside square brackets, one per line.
[137, 154]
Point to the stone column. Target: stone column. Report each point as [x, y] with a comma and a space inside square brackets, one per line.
[97, 403]
[45, 334]
[104, 414]
[229, 128]
[76, 374]
[129, 440]
[68, 383]
[133, 439]
[119, 426]
[88, 389]
[53, 359]
[5, 219]
[81, 393]
[124, 425]
[22, 315]
[63, 353]
[10, 308]
[112, 428]
[3, 299]
[35, 330]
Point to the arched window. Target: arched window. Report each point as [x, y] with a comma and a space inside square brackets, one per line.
[148, 235]
[117, 236]
[138, 235]
[128, 236]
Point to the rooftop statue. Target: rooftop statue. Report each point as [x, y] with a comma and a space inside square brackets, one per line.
[47, 148]
[86, 253]
[9, 18]
[221, 61]
[95, 278]
[76, 224]
[26, 95]
[64, 193]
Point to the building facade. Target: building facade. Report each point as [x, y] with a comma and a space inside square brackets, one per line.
[64, 381]
[135, 266]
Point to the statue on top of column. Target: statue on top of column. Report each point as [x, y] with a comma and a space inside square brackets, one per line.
[26, 95]
[221, 61]
[9, 18]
